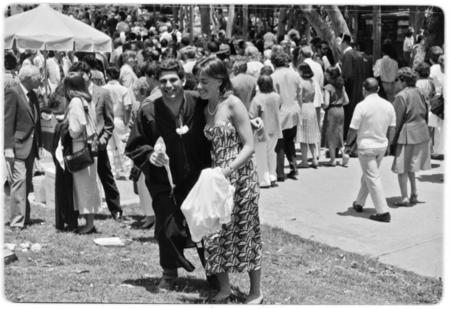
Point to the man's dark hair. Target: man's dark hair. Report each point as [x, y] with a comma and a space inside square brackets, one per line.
[370, 85]
[346, 39]
[265, 83]
[305, 70]
[423, 70]
[80, 66]
[10, 61]
[113, 73]
[213, 47]
[150, 69]
[185, 41]
[171, 65]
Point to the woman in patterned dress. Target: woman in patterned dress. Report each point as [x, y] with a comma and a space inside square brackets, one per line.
[237, 247]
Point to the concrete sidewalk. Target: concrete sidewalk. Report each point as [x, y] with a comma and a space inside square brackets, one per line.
[318, 207]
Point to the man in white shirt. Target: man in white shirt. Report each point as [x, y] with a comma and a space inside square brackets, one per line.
[373, 127]
[122, 99]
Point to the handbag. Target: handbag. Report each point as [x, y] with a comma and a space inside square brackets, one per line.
[437, 106]
[84, 157]
[79, 159]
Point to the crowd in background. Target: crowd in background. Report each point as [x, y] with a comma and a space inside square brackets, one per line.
[298, 95]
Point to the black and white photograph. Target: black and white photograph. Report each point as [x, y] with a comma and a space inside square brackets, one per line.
[210, 153]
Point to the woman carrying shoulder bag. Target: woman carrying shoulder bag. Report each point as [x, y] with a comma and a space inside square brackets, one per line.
[80, 118]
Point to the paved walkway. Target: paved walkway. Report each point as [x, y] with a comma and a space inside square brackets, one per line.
[318, 207]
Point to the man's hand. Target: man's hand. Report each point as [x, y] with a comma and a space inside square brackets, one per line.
[159, 159]
[102, 142]
[9, 154]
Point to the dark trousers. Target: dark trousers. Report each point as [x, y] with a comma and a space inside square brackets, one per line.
[286, 146]
[170, 250]
[112, 194]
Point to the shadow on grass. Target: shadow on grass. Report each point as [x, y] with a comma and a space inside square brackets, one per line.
[351, 212]
[145, 239]
[433, 178]
[36, 221]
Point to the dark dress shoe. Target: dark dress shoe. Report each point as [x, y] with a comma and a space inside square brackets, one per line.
[357, 207]
[117, 215]
[280, 178]
[273, 184]
[92, 230]
[147, 224]
[167, 283]
[386, 217]
[292, 175]
[213, 282]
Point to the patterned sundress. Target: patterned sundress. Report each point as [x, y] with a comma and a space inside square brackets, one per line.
[237, 247]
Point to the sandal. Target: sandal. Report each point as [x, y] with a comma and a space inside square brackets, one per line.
[413, 198]
[403, 202]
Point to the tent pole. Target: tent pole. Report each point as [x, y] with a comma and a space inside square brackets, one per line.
[45, 76]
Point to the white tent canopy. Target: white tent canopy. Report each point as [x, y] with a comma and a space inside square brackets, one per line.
[44, 28]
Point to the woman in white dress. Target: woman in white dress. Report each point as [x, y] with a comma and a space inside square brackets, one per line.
[81, 116]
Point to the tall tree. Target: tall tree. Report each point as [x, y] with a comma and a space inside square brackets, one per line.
[376, 31]
[245, 20]
[230, 21]
[337, 19]
[205, 20]
[282, 22]
[322, 28]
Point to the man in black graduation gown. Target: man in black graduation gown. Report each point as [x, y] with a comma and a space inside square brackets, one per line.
[188, 152]
[352, 67]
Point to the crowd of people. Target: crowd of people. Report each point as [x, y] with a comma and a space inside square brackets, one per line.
[215, 102]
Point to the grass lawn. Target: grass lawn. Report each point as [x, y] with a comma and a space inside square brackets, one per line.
[72, 268]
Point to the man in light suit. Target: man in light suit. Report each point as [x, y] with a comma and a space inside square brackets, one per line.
[22, 141]
[105, 125]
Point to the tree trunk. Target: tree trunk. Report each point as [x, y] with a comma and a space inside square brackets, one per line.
[322, 29]
[376, 32]
[281, 23]
[230, 21]
[245, 20]
[182, 16]
[337, 20]
[191, 23]
[175, 10]
[205, 20]
[417, 17]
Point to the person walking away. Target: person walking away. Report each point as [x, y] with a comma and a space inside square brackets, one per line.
[335, 98]
[266, 105]
[308, 133]
[412, 138]
[352, 69]
[244, 84]
[386, 70]
[287, 84]
[122, 103]
[372, 128]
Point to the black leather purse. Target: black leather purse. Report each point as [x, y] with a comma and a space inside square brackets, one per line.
[80, 159]
[76, 161]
